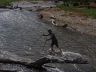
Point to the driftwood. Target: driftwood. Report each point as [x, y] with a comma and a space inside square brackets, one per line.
[48, 59]
[8, 71]
[3, 6]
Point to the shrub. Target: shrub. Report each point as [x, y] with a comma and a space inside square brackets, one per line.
[75, 4]
[94, 1]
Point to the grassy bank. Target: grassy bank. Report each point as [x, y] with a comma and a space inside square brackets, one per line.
[86, 12]
[7, 2]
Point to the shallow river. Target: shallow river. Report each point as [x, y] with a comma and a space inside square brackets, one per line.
[20, 29]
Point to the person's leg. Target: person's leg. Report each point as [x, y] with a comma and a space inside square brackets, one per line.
[52, 46]
[52, 49]
[58, 46]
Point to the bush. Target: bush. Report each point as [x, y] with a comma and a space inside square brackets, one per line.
[86, 3]
[94, 1]
[81, 3]
[89, 7]
[7, 2]
[56, 1]
[75, 4]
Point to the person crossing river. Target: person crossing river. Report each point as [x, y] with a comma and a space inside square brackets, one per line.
[53, 38]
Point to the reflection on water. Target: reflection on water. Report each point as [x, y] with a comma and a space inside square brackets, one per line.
[20, 29]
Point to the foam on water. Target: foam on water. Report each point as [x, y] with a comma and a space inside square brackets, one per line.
[69, 55]
[54, 70]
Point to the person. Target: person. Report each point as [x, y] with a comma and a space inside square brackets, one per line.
[40, 16]
[53, 20]
[53, 38]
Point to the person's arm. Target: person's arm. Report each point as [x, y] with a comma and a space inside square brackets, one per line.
[48, 39]
[53, 21]
[51, 37]
[45, 35]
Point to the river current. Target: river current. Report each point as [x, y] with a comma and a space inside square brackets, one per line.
[20, 29]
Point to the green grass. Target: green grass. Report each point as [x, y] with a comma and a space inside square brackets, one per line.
[88, 12]
[33, 2]
[7, 2]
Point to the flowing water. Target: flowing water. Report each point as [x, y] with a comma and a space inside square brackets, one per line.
[20, 29]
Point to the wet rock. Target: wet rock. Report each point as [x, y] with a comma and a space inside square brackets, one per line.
[40, 16]
[65, 25]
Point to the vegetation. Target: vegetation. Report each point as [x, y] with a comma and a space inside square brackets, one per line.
[66, 2]
[7, 2]
[76, 0]
[33, 1]
[86, 12]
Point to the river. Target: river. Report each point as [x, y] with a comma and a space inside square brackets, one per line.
[20, 29]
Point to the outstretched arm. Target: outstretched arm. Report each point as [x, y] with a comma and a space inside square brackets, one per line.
[48, 39]
[45, 35]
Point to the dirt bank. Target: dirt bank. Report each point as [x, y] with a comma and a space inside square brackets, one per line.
[73, 19]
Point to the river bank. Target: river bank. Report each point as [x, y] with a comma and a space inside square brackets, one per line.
[73, 19]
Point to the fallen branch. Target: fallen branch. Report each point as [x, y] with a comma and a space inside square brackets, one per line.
[8, 71]
[48, 59]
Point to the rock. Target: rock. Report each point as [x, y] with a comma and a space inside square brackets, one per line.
[65, 25]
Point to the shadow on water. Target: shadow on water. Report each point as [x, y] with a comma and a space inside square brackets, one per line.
[20, 29]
